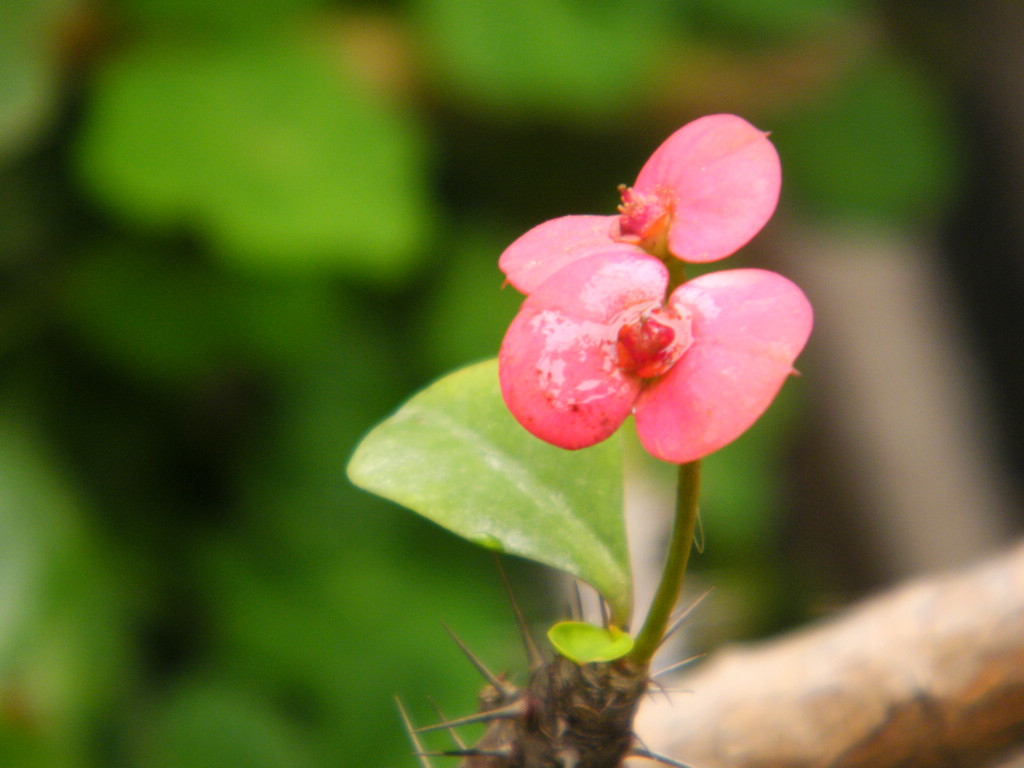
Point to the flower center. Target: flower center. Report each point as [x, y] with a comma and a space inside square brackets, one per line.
[644, 220]
[650, 345]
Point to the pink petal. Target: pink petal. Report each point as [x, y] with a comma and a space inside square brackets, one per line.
[548, 247]
[749, 325]
[724, 176]
[558, 365]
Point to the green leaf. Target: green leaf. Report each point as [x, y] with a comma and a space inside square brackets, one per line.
[585, 643]
[219, 19]
[879, 146]
[64, 611]
[277, 160]
[454, 454]
[550, 57]
[467, 313]
[206, 722]
[175, 323]
[758, 23]
[30, 83]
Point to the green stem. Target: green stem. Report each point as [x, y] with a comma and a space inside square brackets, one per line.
[676, 273]
[653, 630]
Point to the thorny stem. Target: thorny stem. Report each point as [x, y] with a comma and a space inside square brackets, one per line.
[650, 635]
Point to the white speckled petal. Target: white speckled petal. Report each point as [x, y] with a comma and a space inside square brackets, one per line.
[558, 364]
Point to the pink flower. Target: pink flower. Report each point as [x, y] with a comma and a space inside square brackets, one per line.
[595, 340]
[703, 194]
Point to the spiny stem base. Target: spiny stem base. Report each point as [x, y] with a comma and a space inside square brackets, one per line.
[575, 716]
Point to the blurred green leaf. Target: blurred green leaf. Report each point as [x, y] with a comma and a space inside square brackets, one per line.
[880, 145]
[544, 56]
[470, 308]
[202, 17]
[454, 454]
[337, 638]
[207, 723]
[263, 149]
[63, 645]
[172, 324]
[29, 81]
[743, 517]
[757, 22]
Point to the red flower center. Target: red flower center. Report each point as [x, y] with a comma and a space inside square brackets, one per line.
[643, 219]
[650, 345]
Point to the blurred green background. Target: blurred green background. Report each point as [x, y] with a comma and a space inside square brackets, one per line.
[234, 235]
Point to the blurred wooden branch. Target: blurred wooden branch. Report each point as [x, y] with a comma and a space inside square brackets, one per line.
[930, 674]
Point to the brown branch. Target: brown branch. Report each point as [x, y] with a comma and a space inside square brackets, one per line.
[930, 674]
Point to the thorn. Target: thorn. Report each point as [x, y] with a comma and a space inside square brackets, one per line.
[505, 689]
[509, 712]
[640, 743]
[698, 535]
[684, 616]
[666, 691]
[505, 753]
[677, 690]
[533, 656]
[413, 738]
[677, 665]
[661, 689]
[664, 759]
[451, 731]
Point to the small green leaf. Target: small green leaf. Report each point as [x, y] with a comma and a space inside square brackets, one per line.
[454, 454]
[585, 643]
